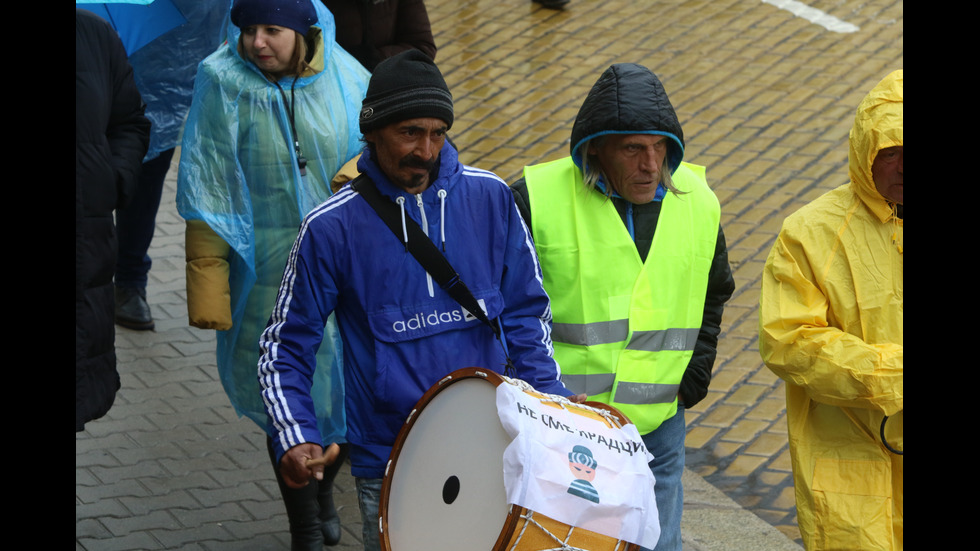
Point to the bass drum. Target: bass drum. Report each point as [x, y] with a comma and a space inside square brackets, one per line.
[443, 488]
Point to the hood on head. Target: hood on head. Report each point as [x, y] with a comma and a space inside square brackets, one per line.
[628, 99]
[878, 124]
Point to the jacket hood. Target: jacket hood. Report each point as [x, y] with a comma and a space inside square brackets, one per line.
[628, 99]
[878, 124]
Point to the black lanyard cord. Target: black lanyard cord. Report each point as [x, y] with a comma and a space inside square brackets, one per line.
[291, 110]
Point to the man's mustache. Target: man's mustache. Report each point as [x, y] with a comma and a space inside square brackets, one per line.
[412, 161]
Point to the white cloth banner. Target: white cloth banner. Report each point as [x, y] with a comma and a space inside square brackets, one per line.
[577, 470]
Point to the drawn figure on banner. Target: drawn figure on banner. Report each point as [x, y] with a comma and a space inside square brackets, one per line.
[583, 465]
[606, 460]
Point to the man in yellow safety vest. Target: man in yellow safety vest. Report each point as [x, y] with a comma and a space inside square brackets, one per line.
[635, 263]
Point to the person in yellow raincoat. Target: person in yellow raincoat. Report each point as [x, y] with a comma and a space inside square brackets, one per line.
[831, 328]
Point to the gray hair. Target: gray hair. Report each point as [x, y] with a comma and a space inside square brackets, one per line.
[592, 170]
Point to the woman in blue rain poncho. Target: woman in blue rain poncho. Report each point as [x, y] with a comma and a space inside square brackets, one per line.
[274, 117]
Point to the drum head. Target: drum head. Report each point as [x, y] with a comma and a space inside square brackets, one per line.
[445, 485]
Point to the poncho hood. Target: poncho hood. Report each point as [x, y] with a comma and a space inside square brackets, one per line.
[628, 99]
[878, 124]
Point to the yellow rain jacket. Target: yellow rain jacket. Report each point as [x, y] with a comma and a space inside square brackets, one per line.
[831, 327]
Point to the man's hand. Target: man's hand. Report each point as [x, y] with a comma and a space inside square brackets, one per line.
[306, 460]
[578, 398]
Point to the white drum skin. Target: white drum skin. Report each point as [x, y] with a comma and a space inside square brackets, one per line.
[446, 485]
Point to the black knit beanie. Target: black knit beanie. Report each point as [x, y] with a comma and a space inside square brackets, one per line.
[298, 15]
[406, 86]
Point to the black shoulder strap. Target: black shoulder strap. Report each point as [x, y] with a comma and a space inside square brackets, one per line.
[422, 248]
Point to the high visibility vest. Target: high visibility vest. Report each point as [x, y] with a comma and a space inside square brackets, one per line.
[624, 330]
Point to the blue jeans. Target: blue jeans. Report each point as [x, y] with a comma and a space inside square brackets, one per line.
[135, 223]
[666, 443]
[369, 499]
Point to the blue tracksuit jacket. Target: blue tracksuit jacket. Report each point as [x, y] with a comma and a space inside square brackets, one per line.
[401, 332]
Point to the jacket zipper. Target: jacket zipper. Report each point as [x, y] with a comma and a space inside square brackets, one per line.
[425, 228]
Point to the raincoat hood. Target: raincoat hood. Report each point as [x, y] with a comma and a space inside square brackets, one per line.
[628, 99]
[878, 124]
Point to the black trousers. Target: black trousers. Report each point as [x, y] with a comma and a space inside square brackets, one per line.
[310, 507]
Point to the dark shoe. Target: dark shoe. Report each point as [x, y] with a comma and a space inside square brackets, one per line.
[553, 4]
[330, 521]
[132, 311]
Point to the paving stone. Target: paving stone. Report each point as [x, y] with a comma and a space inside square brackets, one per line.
[139, 540]
[108, 489]
[140, 523]
[172, 501]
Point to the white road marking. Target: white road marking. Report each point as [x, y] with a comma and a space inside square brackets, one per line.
[813, 15]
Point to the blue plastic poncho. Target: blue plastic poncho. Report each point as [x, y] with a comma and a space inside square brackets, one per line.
[239, 173]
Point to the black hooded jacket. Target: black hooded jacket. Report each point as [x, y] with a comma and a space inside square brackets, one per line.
[629, 99]
[111, 138]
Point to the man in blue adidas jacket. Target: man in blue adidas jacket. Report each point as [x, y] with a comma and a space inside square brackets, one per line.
[401, 332]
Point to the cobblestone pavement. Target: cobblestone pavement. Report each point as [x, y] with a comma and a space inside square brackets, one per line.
[766, 98]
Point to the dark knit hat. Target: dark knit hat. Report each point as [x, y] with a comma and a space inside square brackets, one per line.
[297, 15]
[406, 86]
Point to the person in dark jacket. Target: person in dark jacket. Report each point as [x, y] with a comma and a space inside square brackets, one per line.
[374, 30]
[111, 138]
[634, 259]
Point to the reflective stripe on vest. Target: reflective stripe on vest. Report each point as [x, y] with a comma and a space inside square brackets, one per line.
[605, 332]
[624, 329]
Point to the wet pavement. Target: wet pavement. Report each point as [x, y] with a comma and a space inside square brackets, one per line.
[766, 93]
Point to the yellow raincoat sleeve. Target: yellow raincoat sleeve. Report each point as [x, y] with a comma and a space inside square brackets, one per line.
[799, 342]
[346, 173]
[207, 270]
